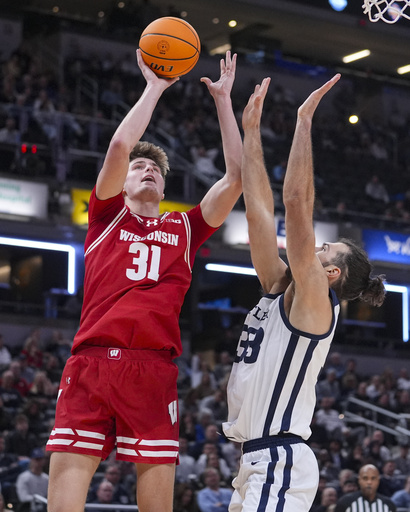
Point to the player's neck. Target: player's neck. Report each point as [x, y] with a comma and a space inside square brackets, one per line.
[144, 208]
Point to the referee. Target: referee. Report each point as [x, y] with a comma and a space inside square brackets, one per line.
[367, 499]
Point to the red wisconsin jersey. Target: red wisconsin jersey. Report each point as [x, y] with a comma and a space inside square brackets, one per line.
[137, 272]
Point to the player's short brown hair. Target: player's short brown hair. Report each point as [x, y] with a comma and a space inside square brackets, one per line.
[144, 149]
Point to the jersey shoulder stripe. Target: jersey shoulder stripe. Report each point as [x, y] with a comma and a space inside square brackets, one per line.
[188, 236]
[107, 230]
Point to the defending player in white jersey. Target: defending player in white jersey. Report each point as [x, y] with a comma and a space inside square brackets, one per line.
[287, 335]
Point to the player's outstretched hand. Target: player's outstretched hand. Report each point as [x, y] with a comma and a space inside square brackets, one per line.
[307, 109]
[151, 77]
[224, 85]
[252, 114]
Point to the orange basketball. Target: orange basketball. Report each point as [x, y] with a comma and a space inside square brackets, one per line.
[170, 47]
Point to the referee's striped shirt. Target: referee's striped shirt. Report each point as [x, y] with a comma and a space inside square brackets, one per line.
[356, 502]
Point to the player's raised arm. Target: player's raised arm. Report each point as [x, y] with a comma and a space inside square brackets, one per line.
[258, 198]
[222, 196]
[111, 179]
[311, 282]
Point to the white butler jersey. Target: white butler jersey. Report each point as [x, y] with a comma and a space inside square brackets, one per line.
[271, 388]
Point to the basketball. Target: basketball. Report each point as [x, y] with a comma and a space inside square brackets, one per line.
[170, 47]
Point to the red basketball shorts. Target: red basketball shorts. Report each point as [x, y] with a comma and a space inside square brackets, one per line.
[117, 397]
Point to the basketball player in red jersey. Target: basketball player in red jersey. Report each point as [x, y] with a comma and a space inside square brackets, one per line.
[119, 386]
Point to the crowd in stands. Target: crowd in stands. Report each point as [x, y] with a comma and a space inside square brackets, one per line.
[359, 168]
[208, 461]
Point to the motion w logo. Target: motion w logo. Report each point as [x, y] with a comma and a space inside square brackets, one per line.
[114, 353]
[173, 411]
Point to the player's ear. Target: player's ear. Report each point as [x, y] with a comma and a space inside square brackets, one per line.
[333, 272]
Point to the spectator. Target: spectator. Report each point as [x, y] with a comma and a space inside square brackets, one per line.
[211, 459]
[184, 498]
[367, 497]
[20, 440]
[344, 475]
[9, 463]
[35, 416]
[350, 379]
[111, 96]
[32, 481]
[232, 452]
[112, 474]
[355, 460]
[213, 497]
[6, 418]
[207, 385]
[5, 356]
[32, 351]
[9, 134]
[335, 362]
[217, 404]
[402, 460]
[11, 398]
[374, 388]
[42, 389]
[349, 485]
[187, 426]
[390, 481]
[336, 456]
[376, 191]
[401, 498]
[223, 368]
[186, 468]
[329, 497]
[329, 387]
[204, 160]
[403, 381]
[403, 402]
[19, 382]
[104, 496]
[212, 436]
[329, 418]
[326, 466]
[44, 113]
[385, 452]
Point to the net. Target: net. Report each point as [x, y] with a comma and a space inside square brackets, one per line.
[388, 11]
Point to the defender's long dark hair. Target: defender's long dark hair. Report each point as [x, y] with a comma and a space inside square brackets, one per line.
[356, 281]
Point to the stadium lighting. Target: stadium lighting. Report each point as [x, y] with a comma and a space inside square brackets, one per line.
[405, 306]
[403, 69]
[338, 5]
[231, 269]
[48, 246]
[356, 56]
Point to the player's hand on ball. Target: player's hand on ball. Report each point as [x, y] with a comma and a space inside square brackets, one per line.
[150, 76]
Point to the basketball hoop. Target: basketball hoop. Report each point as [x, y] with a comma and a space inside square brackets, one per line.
[388, 11]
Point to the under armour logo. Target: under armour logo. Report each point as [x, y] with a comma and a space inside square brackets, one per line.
[114, 353]
[153, 222]
[68, 380]
[173, 411]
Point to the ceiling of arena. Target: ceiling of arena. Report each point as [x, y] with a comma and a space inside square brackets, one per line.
[308, 29]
